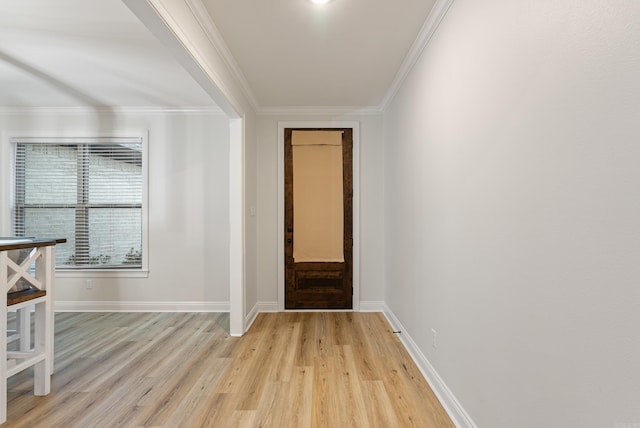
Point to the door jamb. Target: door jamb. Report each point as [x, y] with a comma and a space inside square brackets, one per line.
[355, 126]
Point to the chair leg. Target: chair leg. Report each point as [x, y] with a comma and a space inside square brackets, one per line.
[42, 369]
[49, 325]
[3, 391]
[23, 327]
[50, 256]
[3, 339]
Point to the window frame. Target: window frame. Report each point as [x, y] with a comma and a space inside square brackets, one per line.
[9, 153]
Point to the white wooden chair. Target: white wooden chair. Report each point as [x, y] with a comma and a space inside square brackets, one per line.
[39, 294]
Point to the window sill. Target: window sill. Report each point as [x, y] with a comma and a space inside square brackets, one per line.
[101, 273]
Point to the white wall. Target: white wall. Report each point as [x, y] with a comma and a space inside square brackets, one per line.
[371, 204]
[252, 287]
[513, 207]
[188, 206]
[178, 25]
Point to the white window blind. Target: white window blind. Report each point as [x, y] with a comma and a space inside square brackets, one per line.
[89, 191]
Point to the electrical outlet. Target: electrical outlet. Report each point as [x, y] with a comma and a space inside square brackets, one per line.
[89, 284]
[434, 341]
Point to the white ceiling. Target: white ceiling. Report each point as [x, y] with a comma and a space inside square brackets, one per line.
[289, 52]
[87, 53]
[295, 53]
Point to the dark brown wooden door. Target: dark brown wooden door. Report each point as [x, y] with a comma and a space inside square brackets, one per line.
[319, 285]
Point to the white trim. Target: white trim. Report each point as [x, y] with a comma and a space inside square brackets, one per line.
[450, 403]
[124, 110]
[157, 16]
[319, 310]
[251, 317]
[429, 27]
[159, 20]
[267, 307]
[48, 137]
[259, 308]
[119, 306]
[145, 205]
[102, 273]
[373, 306]
[319, 111]
[6, 166]
[355, 126]
[236, 227]
[213, 34]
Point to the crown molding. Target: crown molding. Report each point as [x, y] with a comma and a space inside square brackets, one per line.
[215, 37]
[318, 111]
[213, 110]
[429, 27]
[157, 17]
[203, 18]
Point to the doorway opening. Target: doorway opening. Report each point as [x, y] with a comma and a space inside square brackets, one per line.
[318, 218]
[318, 210]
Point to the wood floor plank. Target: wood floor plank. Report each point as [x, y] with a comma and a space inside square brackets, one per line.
[379, 407]
[241, 419]
[323, 413]
[350, 395]
[293, 369]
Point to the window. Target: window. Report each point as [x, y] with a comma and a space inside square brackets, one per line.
[87, 190]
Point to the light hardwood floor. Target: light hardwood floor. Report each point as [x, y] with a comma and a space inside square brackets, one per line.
[308, 369]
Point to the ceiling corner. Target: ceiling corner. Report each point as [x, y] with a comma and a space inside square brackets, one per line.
[437, 14]
[213, 34]
[319, 111]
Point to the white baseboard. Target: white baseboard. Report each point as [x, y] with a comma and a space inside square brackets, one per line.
[251, 317]
[117, 306]
[258, 308]
[373, 306]
[268, 307]
[451, 405]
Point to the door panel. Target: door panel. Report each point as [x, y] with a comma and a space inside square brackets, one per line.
[319, 284]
